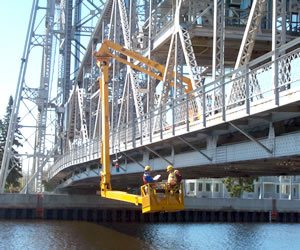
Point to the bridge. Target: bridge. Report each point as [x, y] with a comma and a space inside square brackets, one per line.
[231, 109]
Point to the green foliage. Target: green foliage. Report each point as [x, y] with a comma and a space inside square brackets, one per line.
[14, 167]
[238, 185]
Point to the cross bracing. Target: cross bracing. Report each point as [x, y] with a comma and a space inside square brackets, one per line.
[191, 38]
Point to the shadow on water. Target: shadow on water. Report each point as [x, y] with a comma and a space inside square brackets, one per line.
[83, 235]
[63, 235]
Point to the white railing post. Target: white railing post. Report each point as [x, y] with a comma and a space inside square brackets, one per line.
[204, 105]
[223, 98]
[173, 117]
[187, 113]
[150, 126]
[247, 89]
[275, 77]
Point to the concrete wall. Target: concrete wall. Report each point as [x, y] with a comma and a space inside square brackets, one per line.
[93, 201]
[241, 204]
[18, 200]
[60, 201]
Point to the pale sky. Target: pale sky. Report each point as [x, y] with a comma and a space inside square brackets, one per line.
[14, 20]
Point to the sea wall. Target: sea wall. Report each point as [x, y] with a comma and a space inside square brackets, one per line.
[96, 209]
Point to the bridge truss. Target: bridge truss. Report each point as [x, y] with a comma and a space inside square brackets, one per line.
[200, 40]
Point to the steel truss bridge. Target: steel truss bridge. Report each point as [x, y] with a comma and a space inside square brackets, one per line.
[231, 109]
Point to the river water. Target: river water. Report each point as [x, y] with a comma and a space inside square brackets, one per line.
[83, 235]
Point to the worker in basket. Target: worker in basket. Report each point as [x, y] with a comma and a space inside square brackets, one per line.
[147, 177]
[174, 179]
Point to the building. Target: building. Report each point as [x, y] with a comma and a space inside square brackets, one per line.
[267, 187]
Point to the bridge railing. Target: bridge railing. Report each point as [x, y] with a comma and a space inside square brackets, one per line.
[261, 84]
[251, 85]
[77, 155]
[262, 80]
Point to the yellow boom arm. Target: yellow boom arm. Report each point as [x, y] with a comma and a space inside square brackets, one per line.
[164, 203]
[104, 52]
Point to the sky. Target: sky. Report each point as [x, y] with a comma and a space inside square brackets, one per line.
[14, 20]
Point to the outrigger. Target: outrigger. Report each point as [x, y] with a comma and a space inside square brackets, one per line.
[150, 199]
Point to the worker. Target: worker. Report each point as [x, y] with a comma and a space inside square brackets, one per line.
[147, 177]
[174, 178]
[171, 177]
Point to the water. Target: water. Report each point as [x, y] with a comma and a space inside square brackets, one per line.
[83, 235]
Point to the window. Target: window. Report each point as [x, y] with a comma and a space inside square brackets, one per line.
[192, 186]
[208, 187]
[277, 189]
[200, 187]
[285, 189]
[217, 187]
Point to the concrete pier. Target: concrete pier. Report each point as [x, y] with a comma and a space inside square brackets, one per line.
[96, 209]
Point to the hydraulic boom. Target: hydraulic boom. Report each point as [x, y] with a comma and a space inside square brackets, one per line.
[150, 200]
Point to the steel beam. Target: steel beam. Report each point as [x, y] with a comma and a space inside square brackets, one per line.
[160, 156]
[134, 160]
[193, 147]
[34, 176]
[251, 138]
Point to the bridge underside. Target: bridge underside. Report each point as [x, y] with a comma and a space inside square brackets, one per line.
[263, 167]
[286, 123]
[88, 177]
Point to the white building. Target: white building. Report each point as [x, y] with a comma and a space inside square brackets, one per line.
[282, 187]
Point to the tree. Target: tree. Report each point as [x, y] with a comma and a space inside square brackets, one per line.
[14, 167]
[238, 185]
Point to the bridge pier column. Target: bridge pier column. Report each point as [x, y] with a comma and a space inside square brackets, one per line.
[169, 217]
[229, 216]
[100, 215]
[151, 217]
[128, 215]
[221, 216]
[93, 215]
[114, 215]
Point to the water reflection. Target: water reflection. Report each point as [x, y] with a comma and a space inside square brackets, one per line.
[82, 235]
[216, 235]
